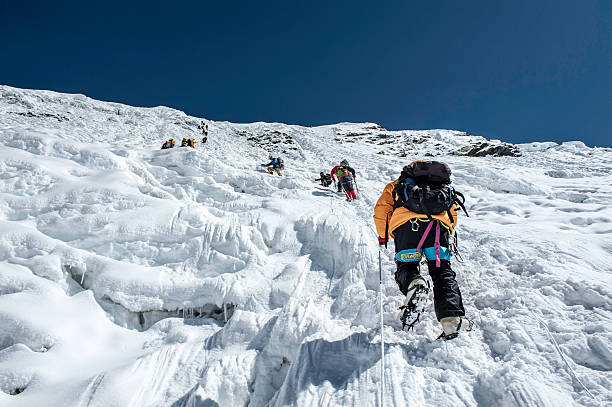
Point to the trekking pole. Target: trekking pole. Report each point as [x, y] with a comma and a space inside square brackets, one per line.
[382, 337]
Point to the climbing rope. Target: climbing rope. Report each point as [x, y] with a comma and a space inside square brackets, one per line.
[556, 345]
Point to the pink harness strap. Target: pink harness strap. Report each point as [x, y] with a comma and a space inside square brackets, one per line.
[437, 242]
[418, 249]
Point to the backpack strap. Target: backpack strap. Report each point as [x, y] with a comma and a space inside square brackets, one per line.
[422, 202]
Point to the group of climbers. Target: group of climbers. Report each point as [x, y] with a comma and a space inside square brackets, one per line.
[419, 211]
[184, 143]
[204, 127]
[189, 142]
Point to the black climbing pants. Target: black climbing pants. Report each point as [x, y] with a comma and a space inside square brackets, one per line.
[447, 296]
[347, 183]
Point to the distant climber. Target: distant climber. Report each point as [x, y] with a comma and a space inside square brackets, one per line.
[204, 127]
[204, 140]
[324, 178]
[419, 211]
[275, 165]
[346, 179]
[168, 144]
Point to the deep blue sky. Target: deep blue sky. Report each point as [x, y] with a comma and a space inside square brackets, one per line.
[514, 70]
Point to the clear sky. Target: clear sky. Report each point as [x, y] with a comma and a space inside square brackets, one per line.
[514, 70]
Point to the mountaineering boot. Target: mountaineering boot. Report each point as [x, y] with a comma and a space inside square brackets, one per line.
[452, 325]
[416, 299]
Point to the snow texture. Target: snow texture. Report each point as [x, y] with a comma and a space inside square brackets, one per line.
[134, 276]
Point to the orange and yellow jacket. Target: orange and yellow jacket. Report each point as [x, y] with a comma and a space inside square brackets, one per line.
[383, 211]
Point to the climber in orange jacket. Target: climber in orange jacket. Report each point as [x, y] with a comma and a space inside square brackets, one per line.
[419, 211]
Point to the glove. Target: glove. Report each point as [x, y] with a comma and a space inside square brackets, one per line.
[382, 240]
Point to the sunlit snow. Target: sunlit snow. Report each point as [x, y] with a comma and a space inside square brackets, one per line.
[134, 276]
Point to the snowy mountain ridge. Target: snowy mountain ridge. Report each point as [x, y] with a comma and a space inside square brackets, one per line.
[133, 276]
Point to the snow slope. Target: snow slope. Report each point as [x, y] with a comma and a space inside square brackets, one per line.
[134, 276]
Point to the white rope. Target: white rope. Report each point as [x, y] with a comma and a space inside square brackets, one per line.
[572, 371]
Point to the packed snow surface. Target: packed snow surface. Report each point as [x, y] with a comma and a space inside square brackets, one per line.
[134, 276]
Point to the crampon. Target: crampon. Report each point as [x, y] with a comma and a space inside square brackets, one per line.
[416, 299]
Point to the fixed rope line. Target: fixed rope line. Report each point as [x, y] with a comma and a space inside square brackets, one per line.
[556, 345]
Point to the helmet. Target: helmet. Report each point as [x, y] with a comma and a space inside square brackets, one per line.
[344, 162]
[270, 157]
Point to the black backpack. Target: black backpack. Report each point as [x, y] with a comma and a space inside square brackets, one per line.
[425, 188]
